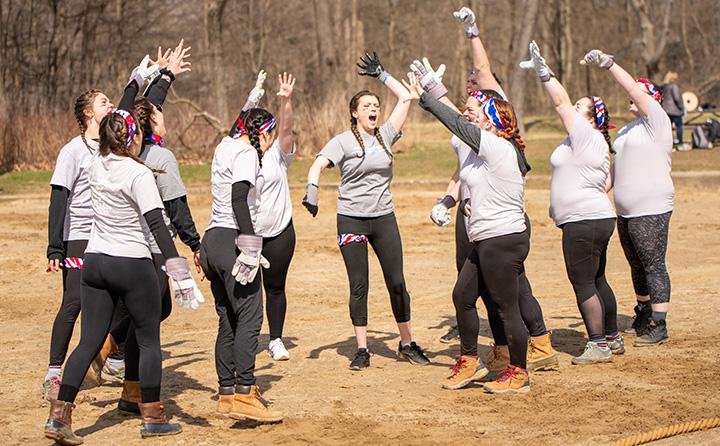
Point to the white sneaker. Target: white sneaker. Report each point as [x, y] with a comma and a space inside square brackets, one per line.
[277, 350]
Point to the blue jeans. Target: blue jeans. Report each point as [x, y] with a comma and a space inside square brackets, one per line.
[678, 121]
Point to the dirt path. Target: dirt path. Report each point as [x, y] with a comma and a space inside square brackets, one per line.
[392, 402]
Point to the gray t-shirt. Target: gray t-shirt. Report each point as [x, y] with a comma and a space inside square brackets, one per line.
[170, 184]
[365, 177]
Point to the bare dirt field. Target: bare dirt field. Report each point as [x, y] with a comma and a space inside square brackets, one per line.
[393, 402]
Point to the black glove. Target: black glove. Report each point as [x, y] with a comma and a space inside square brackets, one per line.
[310, 200]
[370, 65]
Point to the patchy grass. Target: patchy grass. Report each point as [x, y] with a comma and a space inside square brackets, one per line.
[424, 153]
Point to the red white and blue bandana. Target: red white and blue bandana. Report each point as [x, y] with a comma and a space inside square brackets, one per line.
[268, 126]
[493, 115]
[346, 239]
[73, 263]
[650, 89]
[479, 96]
[155, 139]
[131, 126]
[599, 112]
[240, 129]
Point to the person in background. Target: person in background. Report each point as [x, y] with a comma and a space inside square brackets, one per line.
[673, 104]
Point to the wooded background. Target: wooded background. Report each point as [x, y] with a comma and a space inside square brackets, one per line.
[53, 50]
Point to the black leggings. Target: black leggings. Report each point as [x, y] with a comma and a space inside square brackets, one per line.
[239, 309]
[64, 324]
[279, 252]
[384, 236]
[585, 250]
[132, 350]
[494, 265]
[645, 240]
[530, 309]
[105, 281]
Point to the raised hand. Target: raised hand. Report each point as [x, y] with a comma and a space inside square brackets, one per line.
[413, 86]
[537, 63]
[430, 80]
[370, 65]
[257, 92]
[177, 62]
[598, 59]
[467, 18]
[162, 57]
[286, 84]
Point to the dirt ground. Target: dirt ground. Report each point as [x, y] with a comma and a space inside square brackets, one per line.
[392, 402]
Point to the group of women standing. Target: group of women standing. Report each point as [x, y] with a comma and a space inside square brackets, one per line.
[118, 201]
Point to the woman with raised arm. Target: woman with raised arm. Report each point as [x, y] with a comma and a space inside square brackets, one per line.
[118, 266]
[365, 212]
[493, 166]
[231, 257]
[644, 198]
[579, 205]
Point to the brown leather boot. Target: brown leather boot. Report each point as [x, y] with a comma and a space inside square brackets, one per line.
[498, 361]
[540, 355]
[154, 423]
[59, 423]
[130, 397]
[226, 395]
[93, 376]
[249, 405]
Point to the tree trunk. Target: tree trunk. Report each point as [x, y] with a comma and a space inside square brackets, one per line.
[520, 51]
[653, 40]
[214, 44]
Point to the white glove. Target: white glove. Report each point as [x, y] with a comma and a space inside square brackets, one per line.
[537, 63]
[257, 92]
[187, 293]
[440, 215]
[250, 260]
[467, 18]
[598, 58]
[430, 80]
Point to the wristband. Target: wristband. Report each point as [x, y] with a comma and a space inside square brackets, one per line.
[166, 71]
[448, 201]
[384, 76]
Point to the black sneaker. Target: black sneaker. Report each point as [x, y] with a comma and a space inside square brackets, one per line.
[655, 334]
[640, 322]
[451, 335]
[413, 353]
[361, 360]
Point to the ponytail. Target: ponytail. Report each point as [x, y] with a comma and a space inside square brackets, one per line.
[83, 103]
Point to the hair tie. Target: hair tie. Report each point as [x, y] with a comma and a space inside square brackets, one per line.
[650, 89]
[130, 123]
[492, 113]
[240, 131]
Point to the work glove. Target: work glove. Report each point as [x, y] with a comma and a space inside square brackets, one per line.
[430, 80]
[250, 260]
[310, 200]
[598, 59]
[187, 293]
[467, 18]
[537, 63]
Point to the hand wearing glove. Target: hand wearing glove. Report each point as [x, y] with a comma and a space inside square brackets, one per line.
[598, 59]
[187, 293]
[144, 72]
[310, 200]
[440, 214]
[467, 18]
[250, 260]
[257, 92]
[430, 80]
[371, 66]
[537, 63]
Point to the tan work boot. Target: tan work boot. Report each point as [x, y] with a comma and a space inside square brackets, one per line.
[514, 379]
[466, 370]
[154, 423]
[540, 355]
[92, 377]
[499, 360]
[251, 406]
[130, 397]
[225, 400]
[59, 424]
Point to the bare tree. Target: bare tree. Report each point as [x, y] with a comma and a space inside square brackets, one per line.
[519, 52]
[653, 39]
[214, 47]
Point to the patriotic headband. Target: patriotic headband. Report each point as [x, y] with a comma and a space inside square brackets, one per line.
[155, 139]
[268, 126]
[599, 112]
[240, 130]
[650, 89]
[479, 96]
[492, 113]
[131, 126]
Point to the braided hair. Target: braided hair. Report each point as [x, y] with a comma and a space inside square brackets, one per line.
[114, 134]
[82, 104]
[254, 119]
[590, 111]
[354, 102]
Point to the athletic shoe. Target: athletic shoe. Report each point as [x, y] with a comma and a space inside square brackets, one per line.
[113, 374]
[50, 388]
[512, 380]
[361, 360]
[655, 334]
[466, 370]
[593, 354]
[413, 353]
[616, 344]
[277, 350]
[640, 321]
[452, 335]
[540, 354]
[498, 361]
